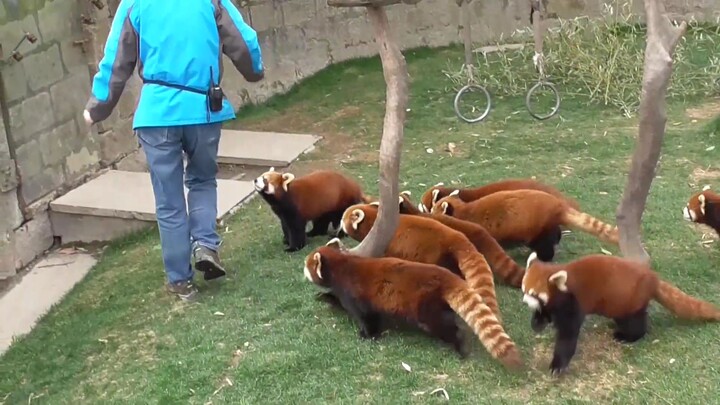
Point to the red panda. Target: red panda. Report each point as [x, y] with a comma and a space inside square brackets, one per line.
[438, 191]
[426, 295]
[531, 217]
[609, 286]
[502, 264]
[426, 241]
[321, 197]
[704, 208]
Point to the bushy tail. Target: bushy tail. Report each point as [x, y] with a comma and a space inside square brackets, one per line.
[478, 275]
[683, 305]
[503, 265]
[588, 223]
[471, 308]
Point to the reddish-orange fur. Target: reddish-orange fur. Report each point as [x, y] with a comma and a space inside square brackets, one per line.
[471, 194]
[615, 287]
[704, 208]
[502, 264]
[320, 197]
[426, 241]
[421, 293]
[524, 216]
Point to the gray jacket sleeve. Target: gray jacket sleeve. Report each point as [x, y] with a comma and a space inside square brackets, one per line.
[116, 66]
[239, 41]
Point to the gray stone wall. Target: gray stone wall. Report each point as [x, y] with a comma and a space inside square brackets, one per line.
[301, 37]
[46, 148]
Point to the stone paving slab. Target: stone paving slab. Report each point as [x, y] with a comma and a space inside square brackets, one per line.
[129, 195]
[263, 148]
[44, 286]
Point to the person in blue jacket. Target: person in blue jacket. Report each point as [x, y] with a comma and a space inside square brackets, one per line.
[178, 51]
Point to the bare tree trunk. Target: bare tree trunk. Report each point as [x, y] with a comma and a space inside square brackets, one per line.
[662, 38]
[396, 99]
[467, 36]
[537, 22]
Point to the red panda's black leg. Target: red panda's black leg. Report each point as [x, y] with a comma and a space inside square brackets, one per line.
[285, 231]
[545, 244]
[568, 319]
[540, 320]
[632, 328]
[320, 226]
[296, 234]
[441, 323]
[367, 319]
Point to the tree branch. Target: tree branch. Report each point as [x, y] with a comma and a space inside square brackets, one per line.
[396, 79]
[662, 38]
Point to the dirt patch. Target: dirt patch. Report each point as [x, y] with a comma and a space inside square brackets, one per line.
[706, 111]
[702, 175]
[590, 376]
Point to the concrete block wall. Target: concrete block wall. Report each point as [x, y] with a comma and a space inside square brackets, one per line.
[301, 37]
[46, 148]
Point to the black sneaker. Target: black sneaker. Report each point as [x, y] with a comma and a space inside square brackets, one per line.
[185, 290]
[208, 262]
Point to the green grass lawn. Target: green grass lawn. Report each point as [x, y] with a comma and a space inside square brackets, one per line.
[262, 337]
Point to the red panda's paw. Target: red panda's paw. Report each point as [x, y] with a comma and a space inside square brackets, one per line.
[558, 366]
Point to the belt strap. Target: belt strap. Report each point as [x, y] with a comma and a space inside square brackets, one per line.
[177, 86]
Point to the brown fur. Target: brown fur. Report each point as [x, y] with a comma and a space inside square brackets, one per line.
[609, 286]
[426, 241]
[321, 197]
[524, 216]
[420, 293]
[472, 194]
[704, 208]
[614, 287]
[502, 264]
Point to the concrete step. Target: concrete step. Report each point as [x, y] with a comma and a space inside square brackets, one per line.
[119, 202]
[263, 148]
[44, 286]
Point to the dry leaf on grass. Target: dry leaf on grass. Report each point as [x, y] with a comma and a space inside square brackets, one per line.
[406, 366]
[605, 251]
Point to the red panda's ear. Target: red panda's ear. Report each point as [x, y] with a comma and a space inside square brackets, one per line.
[287, 178]
[439, 184]
[455, 192]
[318, 264]
[359, 216]
[701, 198]
[530, 259]
[406, 192]
[559, 279]
[435, 196]
[375, 203]
[336, 243]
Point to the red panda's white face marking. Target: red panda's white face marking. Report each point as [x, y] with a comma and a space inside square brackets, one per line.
[271, 181]
[535, 285]
[694, 210]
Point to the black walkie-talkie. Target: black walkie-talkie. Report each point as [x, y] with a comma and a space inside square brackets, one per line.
[215, 94]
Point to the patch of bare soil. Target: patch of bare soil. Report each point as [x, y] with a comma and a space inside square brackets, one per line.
[700, 176]
[335, 148]
[706, 111]
[590, 376]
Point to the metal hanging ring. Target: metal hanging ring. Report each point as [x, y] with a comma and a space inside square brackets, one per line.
[535, 88]
[464, 90]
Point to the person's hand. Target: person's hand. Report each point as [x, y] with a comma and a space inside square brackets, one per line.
[88, 119]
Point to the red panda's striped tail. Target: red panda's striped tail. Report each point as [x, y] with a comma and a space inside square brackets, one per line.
[685, 306]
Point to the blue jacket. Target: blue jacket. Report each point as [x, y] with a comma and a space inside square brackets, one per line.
[178, 43]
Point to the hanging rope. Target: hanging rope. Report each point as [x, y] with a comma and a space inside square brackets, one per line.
[536, 21]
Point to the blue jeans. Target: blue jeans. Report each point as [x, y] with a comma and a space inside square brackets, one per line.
[181, 226]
